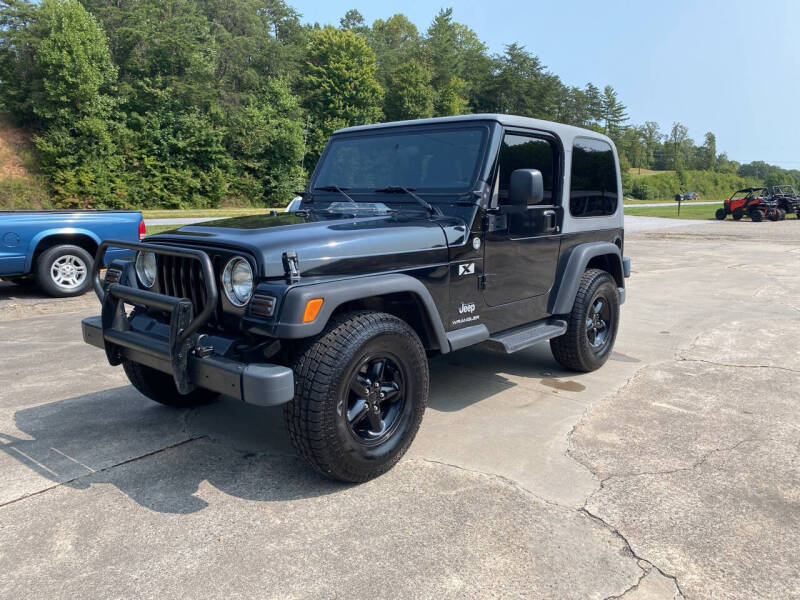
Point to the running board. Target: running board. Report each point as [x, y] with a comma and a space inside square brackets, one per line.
[518, 338]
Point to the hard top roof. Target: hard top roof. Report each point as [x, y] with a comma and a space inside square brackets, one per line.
[507, 120]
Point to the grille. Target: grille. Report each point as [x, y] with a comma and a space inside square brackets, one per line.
[183, 278]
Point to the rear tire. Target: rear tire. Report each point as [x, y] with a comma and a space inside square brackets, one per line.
[775, 215]
[738, 213]
[721, 214]
[581, 348]
[64, 271]
[161, 388]
[756, 216]
[352, 419]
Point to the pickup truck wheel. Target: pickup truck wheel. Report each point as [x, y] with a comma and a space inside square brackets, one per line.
[161, 387]
[63, 271]
[592, 324]
[361, 388]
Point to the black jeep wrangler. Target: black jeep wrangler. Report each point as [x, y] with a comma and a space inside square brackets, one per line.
[412, 239]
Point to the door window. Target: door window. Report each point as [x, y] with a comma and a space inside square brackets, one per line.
[525, 152]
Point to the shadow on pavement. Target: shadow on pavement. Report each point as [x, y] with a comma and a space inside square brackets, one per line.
[77, 441]
[238, 448]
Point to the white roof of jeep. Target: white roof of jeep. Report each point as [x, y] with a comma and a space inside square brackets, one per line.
[563, 131]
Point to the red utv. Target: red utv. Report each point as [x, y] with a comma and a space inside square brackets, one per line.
[755, 203]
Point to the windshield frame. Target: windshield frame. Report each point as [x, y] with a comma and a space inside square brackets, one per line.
[477, 174]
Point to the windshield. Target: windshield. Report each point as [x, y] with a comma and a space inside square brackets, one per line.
[433, 160]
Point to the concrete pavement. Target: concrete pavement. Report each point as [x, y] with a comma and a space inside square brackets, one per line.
[671, 471]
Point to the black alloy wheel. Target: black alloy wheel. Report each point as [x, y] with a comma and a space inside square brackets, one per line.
[375, 399]
[597, 322]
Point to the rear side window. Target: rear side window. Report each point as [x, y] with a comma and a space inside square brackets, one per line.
[593, 185]
[523, 152]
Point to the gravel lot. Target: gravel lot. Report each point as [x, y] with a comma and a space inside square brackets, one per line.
[671, 472]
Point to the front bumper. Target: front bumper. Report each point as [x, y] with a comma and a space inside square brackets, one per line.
[256, 383]
[179, 350]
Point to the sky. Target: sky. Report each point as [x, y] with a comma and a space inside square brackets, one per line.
[731, 67]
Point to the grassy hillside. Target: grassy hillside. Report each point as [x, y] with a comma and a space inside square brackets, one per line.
[21, 186]
[637, 172]
[663, 185]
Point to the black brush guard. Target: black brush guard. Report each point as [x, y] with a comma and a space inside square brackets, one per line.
[256, 383]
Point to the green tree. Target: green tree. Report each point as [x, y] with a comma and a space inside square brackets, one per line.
[441, 49]
[339, 84]
[678, 137]
[353, 21]
[69, 95]
[267, 140]
[522, 86]
[409, 94]
[613, 112]
[706, 157]
[394, 42]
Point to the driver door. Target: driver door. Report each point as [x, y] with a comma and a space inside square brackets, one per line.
[522, 242]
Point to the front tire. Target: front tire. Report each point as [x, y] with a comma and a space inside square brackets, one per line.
[360, 392]
[64, 271]
[161, 387]
[592, 324]
[720, 214]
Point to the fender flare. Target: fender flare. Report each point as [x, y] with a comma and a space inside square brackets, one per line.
[335, 293]
[570, 270]
[55, 232]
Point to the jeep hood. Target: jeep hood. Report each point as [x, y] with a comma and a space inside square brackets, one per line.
[329, 245]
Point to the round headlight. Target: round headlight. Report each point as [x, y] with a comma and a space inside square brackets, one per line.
[146, 268]
[237, 281]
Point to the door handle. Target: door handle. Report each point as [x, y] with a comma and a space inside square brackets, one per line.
[550, 220]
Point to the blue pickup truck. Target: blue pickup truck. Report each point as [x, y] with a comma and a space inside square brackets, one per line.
[57, 248]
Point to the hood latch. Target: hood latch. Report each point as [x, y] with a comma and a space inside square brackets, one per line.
[291, 266]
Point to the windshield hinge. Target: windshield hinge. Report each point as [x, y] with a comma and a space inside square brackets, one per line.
[291, 266]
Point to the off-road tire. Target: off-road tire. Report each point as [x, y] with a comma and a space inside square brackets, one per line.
[721, 214]
[573, 349]
[45, 262]
[775, 215]
[161, 388]
[756, 216]
[737, 214]
[782, 214]
[317, 417]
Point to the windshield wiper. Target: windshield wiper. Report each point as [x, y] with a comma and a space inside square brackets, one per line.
[399, 189]
[335, 188]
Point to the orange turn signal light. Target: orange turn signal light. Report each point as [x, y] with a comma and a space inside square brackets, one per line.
[312, 309]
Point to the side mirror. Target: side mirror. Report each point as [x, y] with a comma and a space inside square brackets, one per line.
[525, 188]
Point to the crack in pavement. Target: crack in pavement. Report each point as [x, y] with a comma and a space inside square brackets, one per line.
[645, 570]
[736, 366]
[629, 548]
[645, 573]
[699, 462]
[103, 470]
